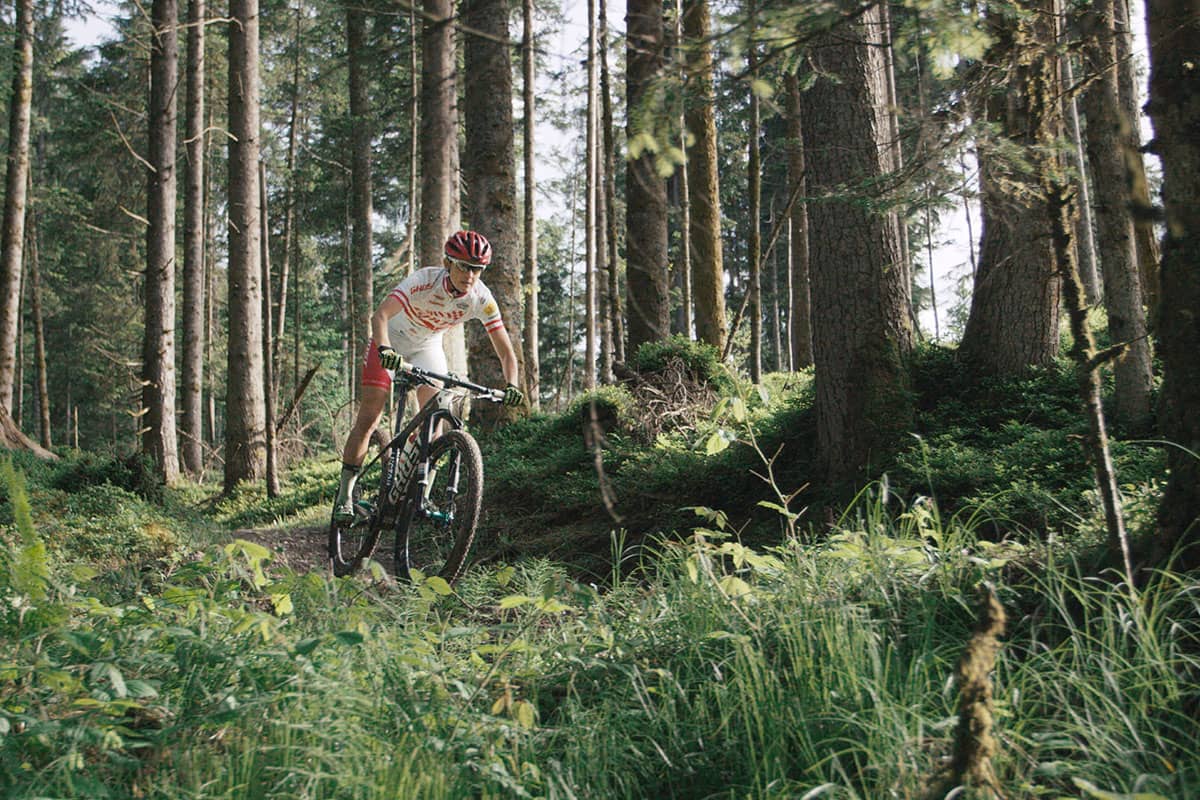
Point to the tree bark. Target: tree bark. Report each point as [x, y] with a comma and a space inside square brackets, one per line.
[1131, 106]
[1118, 248]
[158, 345]
[589, 277]
[708, 272]
[245, 427]
[754, 197]
[800, 316]
[646, 277]
[861, 327]
[39, 336]
[268, 377]
[532, 372]
[609, 189]
[490, 175]
[439, 130]
[1085, 240]
[360, 179]
[288, 250]
[1013, 321]
[16, 185]
[192, 362]
[1174, 34]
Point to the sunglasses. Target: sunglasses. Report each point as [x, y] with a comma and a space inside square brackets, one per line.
[475, 268]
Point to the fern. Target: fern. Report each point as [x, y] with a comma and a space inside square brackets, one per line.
[24, 571]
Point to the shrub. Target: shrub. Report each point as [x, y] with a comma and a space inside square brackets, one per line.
[702, 361]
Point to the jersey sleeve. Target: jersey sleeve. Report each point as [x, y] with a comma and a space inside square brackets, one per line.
[489, 311]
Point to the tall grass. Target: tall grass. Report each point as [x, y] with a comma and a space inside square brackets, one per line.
[711, 670]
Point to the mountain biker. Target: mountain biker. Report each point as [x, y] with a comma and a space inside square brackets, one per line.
[407, 330]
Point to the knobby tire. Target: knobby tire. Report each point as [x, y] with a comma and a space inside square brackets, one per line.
[351, 544]
[439, 546]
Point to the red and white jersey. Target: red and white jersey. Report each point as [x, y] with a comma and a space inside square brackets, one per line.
[430, 306]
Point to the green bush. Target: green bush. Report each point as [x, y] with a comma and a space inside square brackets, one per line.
[702, 361]
[135, 473]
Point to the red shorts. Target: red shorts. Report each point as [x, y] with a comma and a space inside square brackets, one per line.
[373, 373]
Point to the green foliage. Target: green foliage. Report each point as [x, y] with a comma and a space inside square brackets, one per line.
[702, 361]
[24, 567]
[306, 494]
[134, 473]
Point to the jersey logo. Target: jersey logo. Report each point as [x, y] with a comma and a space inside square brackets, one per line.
[490, 309]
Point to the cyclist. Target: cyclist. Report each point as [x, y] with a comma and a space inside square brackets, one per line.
[407, 329]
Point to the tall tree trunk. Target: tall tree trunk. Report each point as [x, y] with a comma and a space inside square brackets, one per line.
[414, 132]
[1085, 240]
[862, 331]
[39, 336]
[192, 362]
[439, 150]
[210, 284]
[360, 178]
[646, 277]
[491, 179]
[1131, 106]
[1118, 249]
[1174, 34]
[16, 186]
[800, 314]
[532, 372]
[245, 427]
[1013, 321]
[708, 272]
[439, 130]
[158, 344]
[612, 276]
[272, 446]
[287, 251]
[682, 277]
[891, 115]
[754, 197]
[589, 277]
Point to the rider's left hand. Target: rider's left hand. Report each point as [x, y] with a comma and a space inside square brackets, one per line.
[513, 396]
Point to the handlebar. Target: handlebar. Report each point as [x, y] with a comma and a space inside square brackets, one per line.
[416, 375]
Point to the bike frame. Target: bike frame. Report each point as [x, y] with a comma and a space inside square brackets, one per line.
[425, 423]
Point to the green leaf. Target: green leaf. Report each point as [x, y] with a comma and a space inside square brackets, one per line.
[515, 600]
[351, 638]
[282, 603]
[734, 586]
[116, 679]
[252, 550]
[439, 585]
[1096, 793]
[504, 575]
[524, 712]
[552, 606]
[739, 409]
[306, 646]
[716, 443]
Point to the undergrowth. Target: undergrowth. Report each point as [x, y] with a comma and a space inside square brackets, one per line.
[735, 633]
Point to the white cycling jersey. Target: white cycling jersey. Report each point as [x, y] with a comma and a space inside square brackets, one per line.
[430, 306]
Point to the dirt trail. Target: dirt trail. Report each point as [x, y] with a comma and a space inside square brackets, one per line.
[302, 549]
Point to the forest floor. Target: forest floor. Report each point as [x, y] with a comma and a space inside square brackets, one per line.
[301, 549]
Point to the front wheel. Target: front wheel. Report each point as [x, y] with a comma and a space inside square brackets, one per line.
[435, 530]
[352, 543]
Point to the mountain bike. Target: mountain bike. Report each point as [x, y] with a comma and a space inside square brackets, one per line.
[430, 486]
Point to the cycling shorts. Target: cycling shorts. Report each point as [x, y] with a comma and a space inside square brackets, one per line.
[426, 354]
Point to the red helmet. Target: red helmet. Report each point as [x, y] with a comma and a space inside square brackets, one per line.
[469, 247]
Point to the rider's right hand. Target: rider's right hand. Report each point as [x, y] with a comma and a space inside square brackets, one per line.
[390, 359]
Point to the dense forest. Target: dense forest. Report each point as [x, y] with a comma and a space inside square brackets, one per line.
[719, 251]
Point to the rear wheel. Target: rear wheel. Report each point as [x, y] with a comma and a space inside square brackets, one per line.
[352, 543]
[436, 528]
